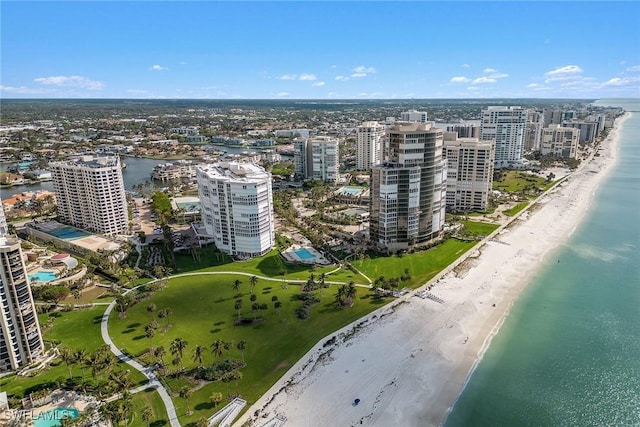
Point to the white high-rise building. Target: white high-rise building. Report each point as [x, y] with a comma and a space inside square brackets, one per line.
[469, 172]
[413, 116]
[317, 158]
[90, 194]
[368, 144]
[20, 337]
[507, 127]
[408, 190]
[237, 207]
[560, 141]
[4, 228]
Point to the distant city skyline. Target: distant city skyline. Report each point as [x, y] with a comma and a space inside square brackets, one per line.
[319, 50]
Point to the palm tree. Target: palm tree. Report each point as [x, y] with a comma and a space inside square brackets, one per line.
[238, 306]
[147, 413]
[241, 345]
[340, 295]
[217, 348]
[253, 281]
[151, 308]
[236, 285]
[350, 293]
[177, 347]
[68, 358]
[198, 354]
[215, 398]
[185, 393]
[81, 357]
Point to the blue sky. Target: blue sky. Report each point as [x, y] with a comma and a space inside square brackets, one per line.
[320, 50]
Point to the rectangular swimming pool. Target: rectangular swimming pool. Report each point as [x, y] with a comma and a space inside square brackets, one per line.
[68, 233]
[304, 253]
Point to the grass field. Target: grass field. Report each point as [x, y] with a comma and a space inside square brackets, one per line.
[422, 265]
[479, 228]
[517, 208]
[78, 329]
[203, 311]
[148, 399]
[515, 181]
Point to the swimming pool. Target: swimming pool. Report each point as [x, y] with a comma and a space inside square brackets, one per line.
[43, 276]
[304, 253]
[54, 417]
[68, 233]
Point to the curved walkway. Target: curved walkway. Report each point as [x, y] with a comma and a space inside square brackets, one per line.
[147, 371]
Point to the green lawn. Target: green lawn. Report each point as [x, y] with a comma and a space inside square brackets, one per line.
[148, 399]
[515, 181]
[78, 329]
[479, 228]
[267, 265]
[203, 311]
[423, 266]
[517, 208]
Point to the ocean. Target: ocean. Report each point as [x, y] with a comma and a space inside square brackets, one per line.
[568, 353]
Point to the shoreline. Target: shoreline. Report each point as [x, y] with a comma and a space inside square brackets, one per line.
[412, 359]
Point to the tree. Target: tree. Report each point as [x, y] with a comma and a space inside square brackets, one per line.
[253, 281]
[177, 347]
[277, 306]
[241, 345]
[236, 285]
[198, 354]
[217, 348]
[68, 358]
[147, 413]
[151, 308]
[149, 331]
[185, 393]
[215, 398]
[238, 307]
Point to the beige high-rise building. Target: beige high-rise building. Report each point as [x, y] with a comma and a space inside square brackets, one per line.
[369, 144]
[560, 141]
[408, 190]
[469, 172]
[20, 337]
[90, 194]
[317, 158]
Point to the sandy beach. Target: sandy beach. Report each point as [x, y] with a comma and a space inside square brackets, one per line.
[408, 361]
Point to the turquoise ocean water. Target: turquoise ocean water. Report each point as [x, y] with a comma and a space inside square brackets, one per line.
[568, 353]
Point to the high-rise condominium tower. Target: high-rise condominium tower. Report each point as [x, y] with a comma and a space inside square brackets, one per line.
[237, 207]
[20, 336]
[408, 190]
[469, 172]
[317, 158]
[90, 194]
[560, 141]
[368, 144]
[507, 127]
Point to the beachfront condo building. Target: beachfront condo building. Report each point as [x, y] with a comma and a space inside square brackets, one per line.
[507, 127]
[237, 208]
[413, 116]
[4, 227]
[317, 158]
[469, 172]
[588, 130]
[408, 190]
[20, 336]
[535, 122]
[560, 141]
[369, 139]
[90, 194]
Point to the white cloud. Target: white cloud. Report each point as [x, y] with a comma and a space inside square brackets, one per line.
[460, 79]
[562, 71]
[634, 69]
[465, 65]
[318, 84]
[363, 69]
[473, 88]
[157, 67]
[308, 77]
[499, 76]
[282, 94]
[483, 80]
[342, 78]
[357, 75]
[489, 70]
[288, 77]
[182, 63]
[70, 81]
[533, 85]
[617, 81]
